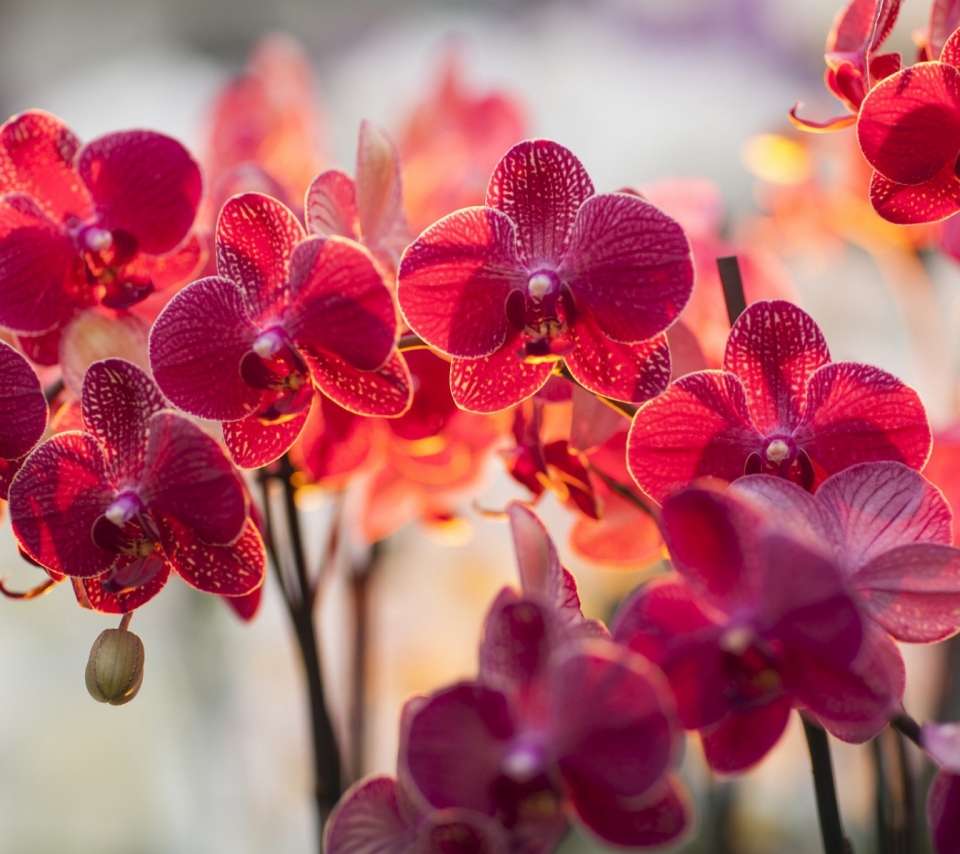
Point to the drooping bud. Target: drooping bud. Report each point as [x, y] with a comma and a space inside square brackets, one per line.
[115, 669]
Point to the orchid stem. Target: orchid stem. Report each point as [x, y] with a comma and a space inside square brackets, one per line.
[125, 621]
[828, 810]
[51, 391]
[732, 281]
[411, 342]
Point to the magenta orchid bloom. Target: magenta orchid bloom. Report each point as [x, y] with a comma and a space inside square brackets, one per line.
[374, 815]
[755, 622]
[287, 314]
[81, 226]
[142, 490]
[780, 407]
[548, 271]
[942, 744]
[909, 131]
[889, 530]
[23, 413]
[367, 209]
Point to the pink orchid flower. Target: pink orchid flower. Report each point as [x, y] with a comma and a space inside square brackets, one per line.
[780, 406]
[23, 413]
[548, 271]
[102, 224]
[139, 492]
[755, 622]
[287, 314]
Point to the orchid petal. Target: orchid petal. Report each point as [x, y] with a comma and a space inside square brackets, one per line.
[540, 185]
[387, 391]
[91, 593]
[331, 206]
[698, 427]
[197, 345]
[37, 154]
[453, 282]
[56, 498]
[630, 264]
[457, 831]
[943, 812]
[911, 204]
[253, 444]
[334, 442]
[188, 478]
[23, 408]
[157, 205]
[857, 413]
[379, 193]
[518, 637]
[745, 736]
[256, 236]
[496, 382]
[367, 820]
[339, 303]
[774, 348]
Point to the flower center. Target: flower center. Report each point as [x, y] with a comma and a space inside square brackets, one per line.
[275, 365]
[750, 666]
[543, 312]
[126, 529]
[781, 457]
[105, 256]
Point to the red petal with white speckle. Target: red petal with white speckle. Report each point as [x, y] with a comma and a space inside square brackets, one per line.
[387, 391]
[497, 381]
[252, 443]
[23, 409]
[911, 204]
[90, 593]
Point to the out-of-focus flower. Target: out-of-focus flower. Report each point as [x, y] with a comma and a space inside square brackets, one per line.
[780, 406]
[264, 128]
[451, 142]
[139, 492]
[367, 208]
[757, 621]
[104, 224]
[909, 131]
[23, 413]
[853, 64]
[548, 271]
[942, 743]
[287, 313]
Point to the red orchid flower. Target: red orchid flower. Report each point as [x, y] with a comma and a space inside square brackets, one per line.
[23, 413]
[367, 209]
[909, 132]
[548, 271]
[139, 492]
[451, 142]
[942, 744]
[287, 313]
[755, 622]
[376, 815]
[780, 406]
[853, 64]
[944, 20]
[82, 226]
[889, 530]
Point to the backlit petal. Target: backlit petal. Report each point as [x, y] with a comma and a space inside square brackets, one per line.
[331, 206]
[252, 443]
[367, 820]
[745, 736]
[23, 409]
[387, 391]
[498, 381]
[910, 204]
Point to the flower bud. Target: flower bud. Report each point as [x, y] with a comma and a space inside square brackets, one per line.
[115, 669]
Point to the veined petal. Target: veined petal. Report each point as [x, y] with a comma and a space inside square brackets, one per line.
[233, 570]
[334, 442]
[197, 345]
[252, 443]
[913, 591]
[97, 334]
[496, 382]
[91, 593]
[943, 812]
[909, 123]
[792, 509]
[339, 303]
[56, 498]
[188, 478]
[540, 185]
[144, 183]
[518, 637]
[774, 348]
[630, 263]
[118, 401]
[37, 154]
[630, 372]
[856, 413]
[256, 236]
[453, 282]
[367, 820]
[619, 822]
[910, 204]
[698, 427]
[379, 193]
[173, 268]
[881, 505]
[36, 257]
[387, 391]
[745, 736]
[331, 206]
[23, 409]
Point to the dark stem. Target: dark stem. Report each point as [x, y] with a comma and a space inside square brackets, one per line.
[298, 595]
[907, 726]
[732, 281]
[360, 579]
[411, 342]
[52, 390]
[895, 802]
[828, 811]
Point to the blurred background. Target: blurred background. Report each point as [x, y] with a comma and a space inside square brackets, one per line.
[212, 756]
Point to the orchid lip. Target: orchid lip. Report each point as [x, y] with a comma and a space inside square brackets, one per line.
[269, 342]
[123, 509]
[523, 762]
[97, 239]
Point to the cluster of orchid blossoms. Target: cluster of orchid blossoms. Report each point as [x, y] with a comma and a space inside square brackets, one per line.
[158, 342]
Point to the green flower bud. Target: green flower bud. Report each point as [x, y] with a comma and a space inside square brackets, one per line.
[115, 669]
